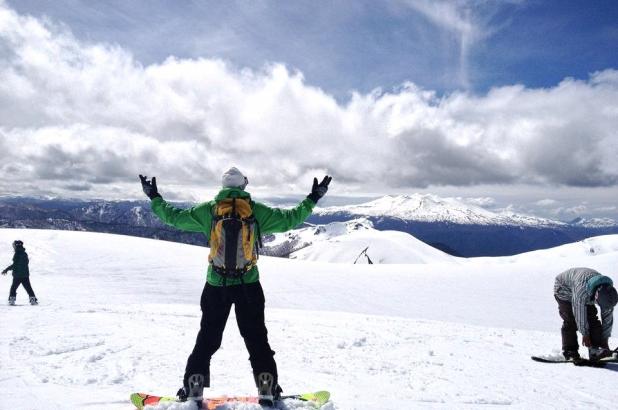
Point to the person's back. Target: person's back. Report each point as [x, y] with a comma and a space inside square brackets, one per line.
[572, 284]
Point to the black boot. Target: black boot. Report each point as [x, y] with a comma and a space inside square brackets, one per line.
[572, 355]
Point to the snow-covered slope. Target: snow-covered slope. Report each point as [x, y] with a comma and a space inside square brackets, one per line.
[120, 314]
[431, 208]
[594, 222]
[372, 246]
[596, 246]
[354, 241]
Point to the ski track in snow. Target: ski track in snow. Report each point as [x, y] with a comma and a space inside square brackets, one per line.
[120, 314]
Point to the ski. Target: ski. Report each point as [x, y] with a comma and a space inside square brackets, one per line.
[141, 400]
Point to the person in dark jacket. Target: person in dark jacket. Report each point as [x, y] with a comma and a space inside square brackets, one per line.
[243, 290]
[21, 273]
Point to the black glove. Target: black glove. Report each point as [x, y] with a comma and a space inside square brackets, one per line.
[4, 272]
[150, 188]
[319, 190]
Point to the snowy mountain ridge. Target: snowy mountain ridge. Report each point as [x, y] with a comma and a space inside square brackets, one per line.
[451, 225]
[432, 208]
[354, 241]
[593, 222]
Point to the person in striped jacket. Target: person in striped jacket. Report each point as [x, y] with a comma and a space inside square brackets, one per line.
[577, 290]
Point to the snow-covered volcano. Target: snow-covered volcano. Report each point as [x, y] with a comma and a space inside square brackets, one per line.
[120, 314]
[431, 208]
[464, 229]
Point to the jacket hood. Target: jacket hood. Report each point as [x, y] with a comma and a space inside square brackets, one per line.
[232, 193]
[596, 281]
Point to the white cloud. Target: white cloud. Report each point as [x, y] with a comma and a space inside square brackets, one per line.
[575, 210]
[467, 21]
[88, 116]
[484, 202]
[546, 203]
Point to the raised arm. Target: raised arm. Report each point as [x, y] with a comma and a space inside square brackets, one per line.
[196, 219]
[272, 220]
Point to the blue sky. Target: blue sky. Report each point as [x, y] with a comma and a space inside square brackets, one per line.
[364, 44]
[512, 104]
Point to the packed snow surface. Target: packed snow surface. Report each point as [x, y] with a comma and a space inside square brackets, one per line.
[120, 314]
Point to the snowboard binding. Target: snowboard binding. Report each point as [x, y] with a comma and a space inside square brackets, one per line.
[193, 390]
[265, 384]
[598, 353]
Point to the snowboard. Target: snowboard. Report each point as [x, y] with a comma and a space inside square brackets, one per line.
[140, 400]
[578, 362]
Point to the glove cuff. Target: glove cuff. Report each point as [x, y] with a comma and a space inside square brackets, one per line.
[314, 197]
[155, 195]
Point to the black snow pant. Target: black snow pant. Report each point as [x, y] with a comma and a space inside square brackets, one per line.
[216, 304]
[569, 326]
[21, 281]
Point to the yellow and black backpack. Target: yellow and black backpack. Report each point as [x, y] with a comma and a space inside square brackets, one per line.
[234, 238]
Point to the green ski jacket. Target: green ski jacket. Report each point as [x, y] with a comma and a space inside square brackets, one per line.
[199, 218]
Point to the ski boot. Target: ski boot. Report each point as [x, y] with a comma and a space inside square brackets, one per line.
[34, 300]
[193, 390]
[12, 300]
[268, 390]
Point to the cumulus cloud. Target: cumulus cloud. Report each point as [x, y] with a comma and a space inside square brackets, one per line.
[88, 117]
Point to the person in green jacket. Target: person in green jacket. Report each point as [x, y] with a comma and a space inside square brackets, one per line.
[21, 273]
[241, 289]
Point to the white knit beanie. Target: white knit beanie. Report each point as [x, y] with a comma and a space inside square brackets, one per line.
[233, 178]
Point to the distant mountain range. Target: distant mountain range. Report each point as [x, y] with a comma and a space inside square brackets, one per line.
[132, 218]
[449, 225]
[465, 230]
